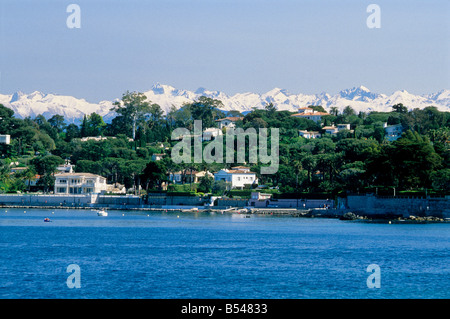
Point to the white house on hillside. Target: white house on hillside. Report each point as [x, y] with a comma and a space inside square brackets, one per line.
[309, 134]
[5, 139]
[79, 183]
[310, 114]
[228, 122]
[211, 133]
[237, 178]
[336, 129]
[189, 177]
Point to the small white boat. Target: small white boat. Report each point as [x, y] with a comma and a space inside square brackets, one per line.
[102, 213]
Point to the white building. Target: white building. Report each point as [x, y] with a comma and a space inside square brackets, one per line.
[157, 157]
[241, 168]
[228, 122]
[236, 178]
[336, 129]
[5, 139]
[211, 133]
[101, 138]
[189, 177]
[65, 168]
[310, 114]
[260, 196]
[79, 183]
[309, 134]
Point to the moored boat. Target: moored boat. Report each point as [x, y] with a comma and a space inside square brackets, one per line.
[102, 213]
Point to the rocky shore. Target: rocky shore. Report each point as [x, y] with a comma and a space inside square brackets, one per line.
[394, 218]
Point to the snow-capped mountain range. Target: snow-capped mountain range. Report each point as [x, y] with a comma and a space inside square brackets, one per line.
[359, 98]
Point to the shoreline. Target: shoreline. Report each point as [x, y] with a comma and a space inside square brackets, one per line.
[344, 215]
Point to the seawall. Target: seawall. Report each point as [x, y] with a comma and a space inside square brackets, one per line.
[398, 205]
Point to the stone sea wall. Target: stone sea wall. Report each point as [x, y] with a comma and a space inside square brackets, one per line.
[406, 206]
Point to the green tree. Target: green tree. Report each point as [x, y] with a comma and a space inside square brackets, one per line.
[309, 163]
[5, 175]
[57, 122]
[318, 108]
[132, 108]
[29, 175]
[271, 109]
[441, 180]
[348, 111]
[334, 111]
[72, 131]
[154, 175]
[46, 167]
[93, 125]
[352, 175]
[87, 166]
[207, 110]
[206, 184]
[400, 108]
[414, 159]
[357, 149]
[132, 172]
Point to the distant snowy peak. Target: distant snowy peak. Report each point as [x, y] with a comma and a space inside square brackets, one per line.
[360, 98]
[358, 94]
[33, 104]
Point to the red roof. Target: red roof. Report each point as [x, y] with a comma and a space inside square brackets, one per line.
[310, 114]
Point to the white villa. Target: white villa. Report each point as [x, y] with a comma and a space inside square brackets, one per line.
[211, 133]
[309, 134]
[79, 183]
[5, 139]
[238, 178]
[336, 129]
[228, 122]
[310, 114]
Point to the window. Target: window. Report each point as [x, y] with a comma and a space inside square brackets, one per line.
[61, 190]
[63, 181]
[75, 190]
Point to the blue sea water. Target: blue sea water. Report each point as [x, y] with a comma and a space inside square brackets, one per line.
[218, 256]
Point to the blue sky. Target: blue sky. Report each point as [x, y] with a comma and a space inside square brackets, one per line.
[228, 45]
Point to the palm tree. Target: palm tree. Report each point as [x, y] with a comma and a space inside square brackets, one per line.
[5, 175]
[29, 175]
[297, 165]
[334, 110]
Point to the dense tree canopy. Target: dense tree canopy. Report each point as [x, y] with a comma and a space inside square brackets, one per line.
[355, 160]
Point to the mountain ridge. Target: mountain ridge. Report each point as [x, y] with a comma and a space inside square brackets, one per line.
[360, 98]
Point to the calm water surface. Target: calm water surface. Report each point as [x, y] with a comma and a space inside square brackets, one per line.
[173, 255]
